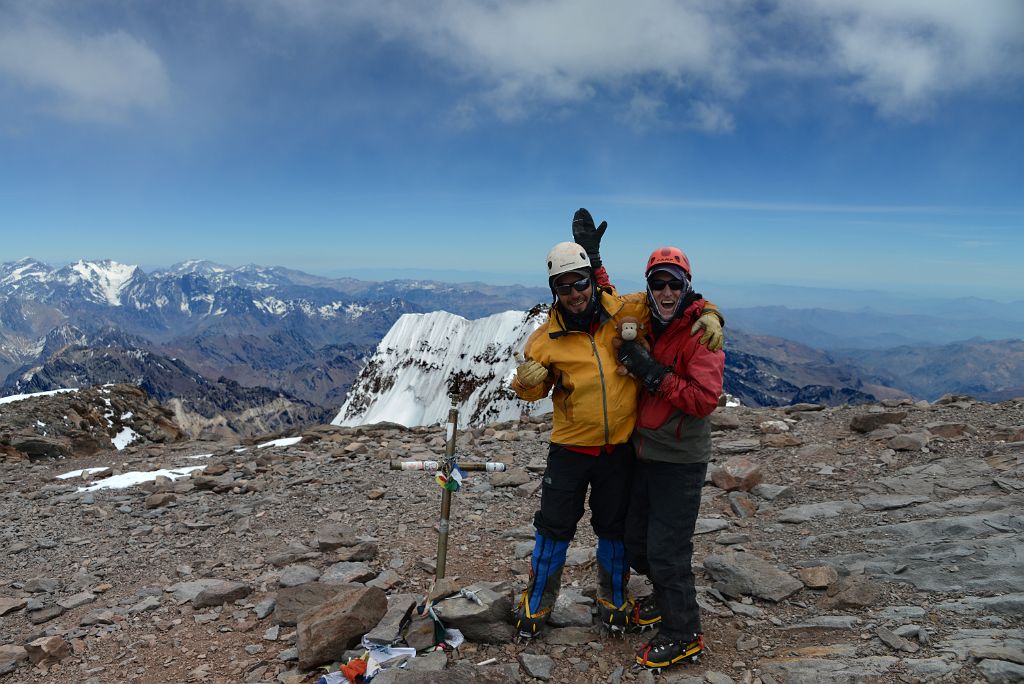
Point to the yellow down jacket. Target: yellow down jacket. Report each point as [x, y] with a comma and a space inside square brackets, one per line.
[593, 405]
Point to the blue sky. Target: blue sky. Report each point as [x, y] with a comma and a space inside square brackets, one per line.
[863, 144]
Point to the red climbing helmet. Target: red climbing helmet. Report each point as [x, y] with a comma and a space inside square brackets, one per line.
[668, 256]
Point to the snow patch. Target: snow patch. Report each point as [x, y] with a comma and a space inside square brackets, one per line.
[124, 438]
[130, 479]
[284, 441]
[108, 278]
[18, 397]
[78, 473]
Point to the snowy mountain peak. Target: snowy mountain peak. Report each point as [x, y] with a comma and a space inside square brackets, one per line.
[199, 267]
[408, 379]
[15, 273]
[107, 278]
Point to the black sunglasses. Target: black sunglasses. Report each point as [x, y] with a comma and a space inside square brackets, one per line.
[658, 285]
[580, 285]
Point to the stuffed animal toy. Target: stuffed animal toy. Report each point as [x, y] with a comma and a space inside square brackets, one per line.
[630, 330]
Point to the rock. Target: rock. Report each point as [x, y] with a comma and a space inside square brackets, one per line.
[460, 673]
[742, 504]
[221, 593]
[768, 427]
[818, 670]
[706, 525]
[815, 511]
[363, 551]
[896, 642]
[292, 602]
[867, 422]
[569, 636]
[772, 492]
[888, 502]
[1001, 671]
[738, 473]
[421, 632]
[745, 573]
[325, 633]
[9, 605]
[487, 623]
[819, 576]
[510, 478]
[76, 600]
[48, 650]
[826, 622]
[294, 575]
[159, 500]
[915, 441]
[41, 585]
[724, 419]
[851, 592]
[186, 591]
[12, 654]
[739, 446]
[331, 537]
[347, 573]
[780, 441]
[295, 553]
[399, 609]
[38, 617]
[802, 408]
[386, 580]
[572, 609]
[537, 666]
[947, 430]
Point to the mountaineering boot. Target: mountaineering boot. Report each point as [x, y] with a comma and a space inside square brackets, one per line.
[613, 608]
[645, 614]
[539, 598]
[663, 651]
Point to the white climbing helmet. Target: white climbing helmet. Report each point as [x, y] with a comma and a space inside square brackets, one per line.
[565, 257]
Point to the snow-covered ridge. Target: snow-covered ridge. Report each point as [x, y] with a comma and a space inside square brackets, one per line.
[107, 278]
[407, 380]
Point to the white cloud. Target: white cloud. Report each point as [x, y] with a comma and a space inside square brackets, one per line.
[904, 57]
[711, 118]
[901, 56]
[102, 77]
[516, 56]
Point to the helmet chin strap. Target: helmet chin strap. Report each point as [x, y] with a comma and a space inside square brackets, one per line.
[656, 308]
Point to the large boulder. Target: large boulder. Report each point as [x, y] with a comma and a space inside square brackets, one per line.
[324, 634]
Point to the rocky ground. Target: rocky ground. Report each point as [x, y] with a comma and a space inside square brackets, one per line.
[876, 543]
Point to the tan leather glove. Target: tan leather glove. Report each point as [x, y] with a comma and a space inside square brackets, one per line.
[709, 322]
[530, 373]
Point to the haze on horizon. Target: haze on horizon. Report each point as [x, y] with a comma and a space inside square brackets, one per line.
[862, 145]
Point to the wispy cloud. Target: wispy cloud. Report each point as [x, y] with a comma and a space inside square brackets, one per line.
[105, 76]
[798, 207]
[900, 56]
[903, 57]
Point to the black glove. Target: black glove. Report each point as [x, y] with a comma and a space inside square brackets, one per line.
[638, 361]
[587, 236]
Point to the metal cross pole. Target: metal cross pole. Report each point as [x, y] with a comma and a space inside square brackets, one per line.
[446, 467]
[446, 494]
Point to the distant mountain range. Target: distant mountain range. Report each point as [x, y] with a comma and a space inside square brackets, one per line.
[286, 331]
[270, 347]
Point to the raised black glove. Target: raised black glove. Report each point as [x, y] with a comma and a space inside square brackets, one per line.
[587, 236]
[638, 361]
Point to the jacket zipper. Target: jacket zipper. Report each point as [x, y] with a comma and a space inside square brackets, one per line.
[604, 390]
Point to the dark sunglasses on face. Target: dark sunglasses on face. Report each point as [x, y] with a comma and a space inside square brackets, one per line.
[657, 285]
[580, 285]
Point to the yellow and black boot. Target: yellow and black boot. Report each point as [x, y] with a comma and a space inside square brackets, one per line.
[663, 651]
[613, 608]
[539, 598]
[645, 614]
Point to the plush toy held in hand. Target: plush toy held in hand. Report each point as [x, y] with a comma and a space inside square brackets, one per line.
[630, 330]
